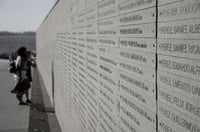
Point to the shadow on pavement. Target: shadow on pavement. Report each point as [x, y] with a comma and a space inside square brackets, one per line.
[38, 121]
[40, 116]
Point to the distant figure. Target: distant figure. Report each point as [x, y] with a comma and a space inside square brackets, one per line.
[30, 63]
[12, 57]
[23, 83]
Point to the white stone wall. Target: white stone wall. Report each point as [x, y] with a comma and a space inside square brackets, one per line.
[123, 65]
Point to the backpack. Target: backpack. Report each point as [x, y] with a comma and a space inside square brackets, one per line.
[12, 67]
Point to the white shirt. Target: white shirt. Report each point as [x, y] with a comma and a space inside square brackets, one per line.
[18, 64]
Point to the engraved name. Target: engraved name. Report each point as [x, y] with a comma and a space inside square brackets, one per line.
[107, 41]
[133, 56]
[181, 121]
[127, 125]
[132, 43]
[108, 60]
[130, 18]
[106, 23]
[178, 66]
[191, 108]
[131, 31]
[130, 115]
[136, 108]
[183, 10]
[105, 4]
[180, 48]
[181, 85]
[137, 3]
[134, 69]
[107, 32]
[180, 29]
[134, 82]
[131, 92]
[107, 13]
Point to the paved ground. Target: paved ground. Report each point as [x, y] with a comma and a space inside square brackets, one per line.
[13, 118]
[39, 117]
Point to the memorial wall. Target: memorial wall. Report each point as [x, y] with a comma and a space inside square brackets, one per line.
[122, 65]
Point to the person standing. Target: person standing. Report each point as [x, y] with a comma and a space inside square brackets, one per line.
[30, 63]
[23, 82]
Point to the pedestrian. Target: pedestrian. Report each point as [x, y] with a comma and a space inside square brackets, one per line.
[23, 83]
[12, 57]
[30, 63]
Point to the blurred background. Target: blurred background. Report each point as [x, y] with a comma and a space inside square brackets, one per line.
[19, 19]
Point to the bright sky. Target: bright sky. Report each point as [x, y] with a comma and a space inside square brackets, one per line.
[23, 15]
